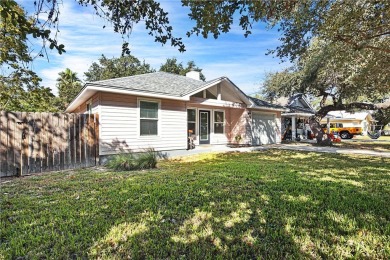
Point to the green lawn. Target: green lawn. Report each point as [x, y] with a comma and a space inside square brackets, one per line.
[375, 145]
[273, 204]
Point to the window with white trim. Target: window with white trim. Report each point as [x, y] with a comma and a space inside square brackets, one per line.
[191, 121]
[219, 121]
[148, 117]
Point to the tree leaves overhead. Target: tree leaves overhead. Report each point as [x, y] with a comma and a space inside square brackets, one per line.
[347, 78]
[19, 86]
[124, 66]
[359, 24]
[122, 15]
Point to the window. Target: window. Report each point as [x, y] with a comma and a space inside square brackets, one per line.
[191, 121]
[219, 119]
[148, 117]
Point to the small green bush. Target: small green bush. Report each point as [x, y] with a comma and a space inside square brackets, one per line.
[128, 161]
[147, 160]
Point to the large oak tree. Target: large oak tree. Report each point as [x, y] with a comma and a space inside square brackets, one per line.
[343, 78]
[359, 27]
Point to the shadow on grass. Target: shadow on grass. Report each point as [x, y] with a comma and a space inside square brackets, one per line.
[274, 204]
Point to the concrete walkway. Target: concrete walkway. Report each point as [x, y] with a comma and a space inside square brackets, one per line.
[212, 149]
[321, 149]
[294, 147]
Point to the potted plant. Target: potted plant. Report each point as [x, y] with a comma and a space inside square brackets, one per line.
[238, 139]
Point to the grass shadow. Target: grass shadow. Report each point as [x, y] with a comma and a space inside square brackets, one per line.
[272, 204]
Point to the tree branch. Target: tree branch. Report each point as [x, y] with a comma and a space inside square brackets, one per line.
[355, 105]
[359, 46]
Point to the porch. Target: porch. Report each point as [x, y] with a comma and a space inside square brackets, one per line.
[295, 126]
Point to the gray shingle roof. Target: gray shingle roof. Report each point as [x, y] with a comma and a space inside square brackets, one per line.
[294, 109]
[157, 82]
[262, 103]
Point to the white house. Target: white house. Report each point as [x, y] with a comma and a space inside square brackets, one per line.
[362, 119]
[161, 110]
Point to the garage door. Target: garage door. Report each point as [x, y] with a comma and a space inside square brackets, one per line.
[263, 129]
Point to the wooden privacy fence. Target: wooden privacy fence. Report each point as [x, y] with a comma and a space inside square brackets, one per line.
[42, 142]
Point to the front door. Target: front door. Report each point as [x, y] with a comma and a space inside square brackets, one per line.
[204, 127]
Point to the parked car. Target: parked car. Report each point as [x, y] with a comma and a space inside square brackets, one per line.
[344, 132]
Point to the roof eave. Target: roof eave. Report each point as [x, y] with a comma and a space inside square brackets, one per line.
[297, 114]
[254, 106]
[80, 98]
[211, 83]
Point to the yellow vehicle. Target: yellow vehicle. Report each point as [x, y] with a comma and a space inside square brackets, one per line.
[344, 132]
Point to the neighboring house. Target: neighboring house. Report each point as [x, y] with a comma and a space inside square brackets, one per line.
[160, 110]
[349, 119]
[295, 122]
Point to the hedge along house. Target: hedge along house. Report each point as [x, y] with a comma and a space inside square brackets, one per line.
[160, 110]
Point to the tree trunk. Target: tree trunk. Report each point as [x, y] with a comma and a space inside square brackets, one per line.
[319, 134]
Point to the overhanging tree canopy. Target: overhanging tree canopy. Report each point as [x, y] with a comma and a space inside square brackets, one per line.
[361, 27]
[358, 24]
[344, 79]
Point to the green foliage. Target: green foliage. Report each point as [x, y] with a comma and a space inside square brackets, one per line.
[122, 161]
[19, 86]
[358, 24]
[273, 204]
[14, 97]
[10, 13]
[344, 79]
[69, 85]
[382, 117]
[128, 161]
[171, 65]
[117, 67]
[121, 14]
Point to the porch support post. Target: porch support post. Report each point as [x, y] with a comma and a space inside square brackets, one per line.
[328, 125]
[293, 128]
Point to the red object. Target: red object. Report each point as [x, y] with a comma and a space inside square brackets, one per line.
[335, 139]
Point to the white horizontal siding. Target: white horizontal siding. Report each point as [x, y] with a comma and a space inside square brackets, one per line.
[119, 125]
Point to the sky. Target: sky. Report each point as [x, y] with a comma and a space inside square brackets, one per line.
[242, 60]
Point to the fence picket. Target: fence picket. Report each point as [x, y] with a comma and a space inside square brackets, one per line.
[11, 144]
[24, 143]
[3, 144]
[44, 142]
[39, 142]
[18, 146]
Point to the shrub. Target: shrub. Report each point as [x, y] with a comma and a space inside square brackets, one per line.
[147, 160]
[127, 161]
